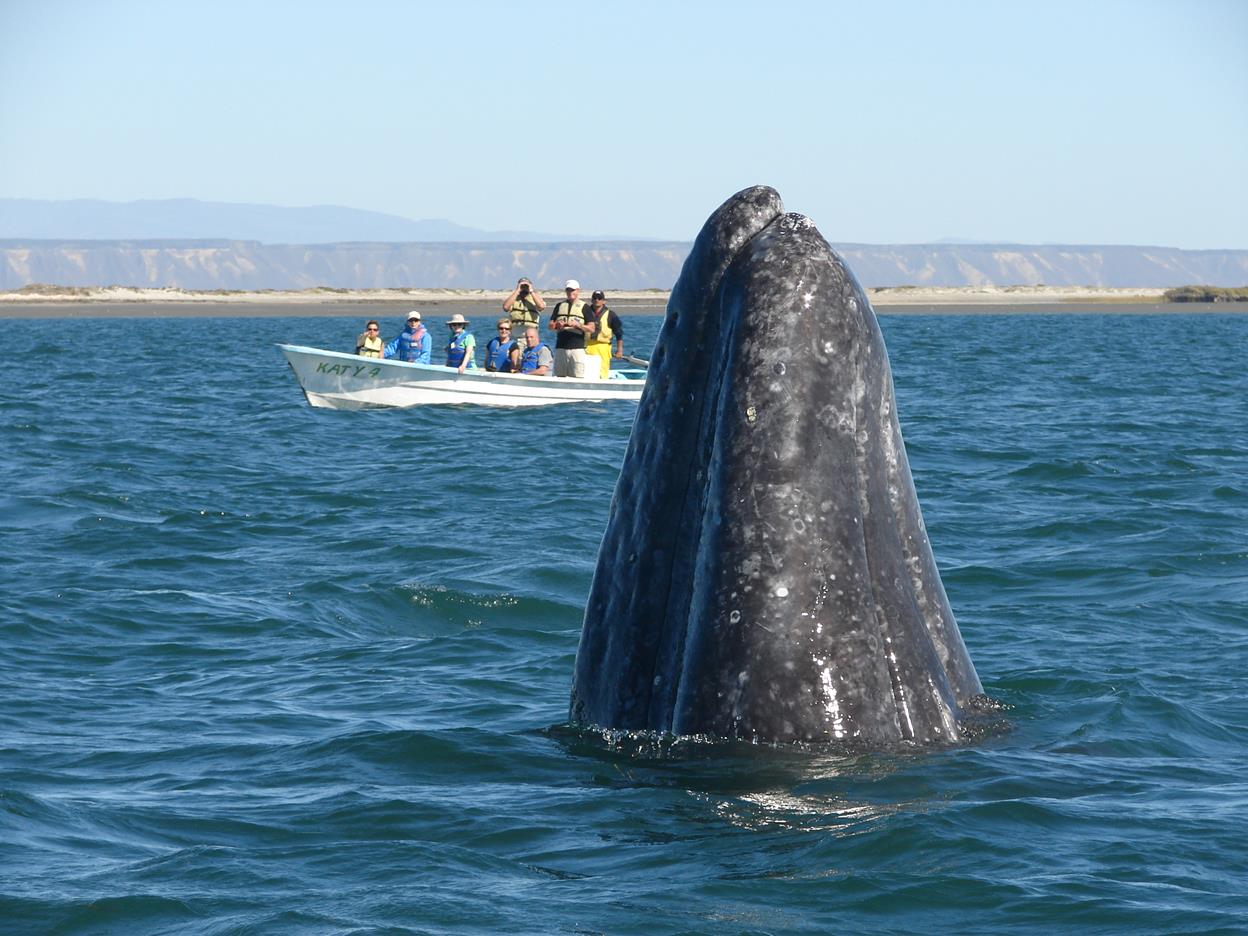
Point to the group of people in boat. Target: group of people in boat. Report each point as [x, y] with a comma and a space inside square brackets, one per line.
[584, 335]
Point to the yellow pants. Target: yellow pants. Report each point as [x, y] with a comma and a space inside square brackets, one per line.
[602, 351]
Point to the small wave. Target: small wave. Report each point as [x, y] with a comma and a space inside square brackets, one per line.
[128, 913]
[1055, 471]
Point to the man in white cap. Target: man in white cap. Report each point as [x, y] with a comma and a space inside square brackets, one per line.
[572, 321]
[413, 344]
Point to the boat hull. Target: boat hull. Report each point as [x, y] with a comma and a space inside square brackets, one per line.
[334, 380]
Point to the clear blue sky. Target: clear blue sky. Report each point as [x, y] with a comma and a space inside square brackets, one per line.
[1078, 122]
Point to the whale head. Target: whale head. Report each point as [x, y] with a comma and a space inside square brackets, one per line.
[765, 571]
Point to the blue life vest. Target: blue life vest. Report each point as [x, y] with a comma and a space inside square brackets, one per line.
[411, 346]
[455, 350]
[530, 361]
[498, 355]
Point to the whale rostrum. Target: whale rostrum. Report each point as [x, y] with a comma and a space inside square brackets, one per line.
[765, 572]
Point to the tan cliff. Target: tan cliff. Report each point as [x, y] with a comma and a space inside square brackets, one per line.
[248, 265]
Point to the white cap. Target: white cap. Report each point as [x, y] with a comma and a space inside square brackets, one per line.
[571, 284]
[413, 315]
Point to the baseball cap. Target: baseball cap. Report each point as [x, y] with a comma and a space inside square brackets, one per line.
[413, 315]
[598, 294]
[571, 284]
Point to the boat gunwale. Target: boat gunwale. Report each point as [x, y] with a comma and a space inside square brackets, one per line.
[626, 385]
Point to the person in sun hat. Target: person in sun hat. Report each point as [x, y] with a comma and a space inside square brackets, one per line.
[572, 321]
[460, 349]
[609, 327]
[413, 344]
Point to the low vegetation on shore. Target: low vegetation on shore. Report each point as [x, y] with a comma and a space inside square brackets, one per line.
[330, 297]
[1206, 294]
[49, 289]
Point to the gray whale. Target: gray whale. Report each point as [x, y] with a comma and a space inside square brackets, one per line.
[765, 572]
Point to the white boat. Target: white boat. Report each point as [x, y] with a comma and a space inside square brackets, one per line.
[344, 381]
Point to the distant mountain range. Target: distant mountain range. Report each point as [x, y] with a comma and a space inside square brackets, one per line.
[167, 243]
[610, 265]
[190, 219]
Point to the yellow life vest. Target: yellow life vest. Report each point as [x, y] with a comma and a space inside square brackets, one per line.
[369, 346]
[524, 313]
[573, 312]
[602, 334]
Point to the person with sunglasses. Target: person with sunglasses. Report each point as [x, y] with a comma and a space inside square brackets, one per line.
[598, 344]
[369, 343]
[571, 322]
[499, 348]
[413, 344]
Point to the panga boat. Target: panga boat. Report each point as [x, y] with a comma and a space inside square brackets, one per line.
[344, 381]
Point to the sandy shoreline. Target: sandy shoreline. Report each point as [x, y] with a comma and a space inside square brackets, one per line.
[130, 302]
[888, 295]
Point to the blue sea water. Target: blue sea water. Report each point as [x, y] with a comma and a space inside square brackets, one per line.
[268, 669]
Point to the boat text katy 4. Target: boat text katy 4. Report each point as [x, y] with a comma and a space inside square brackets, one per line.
[344, 381]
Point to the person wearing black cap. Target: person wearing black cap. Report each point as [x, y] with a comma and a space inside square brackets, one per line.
[598, 345]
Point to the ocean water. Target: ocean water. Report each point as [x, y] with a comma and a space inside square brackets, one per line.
[273, 670]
